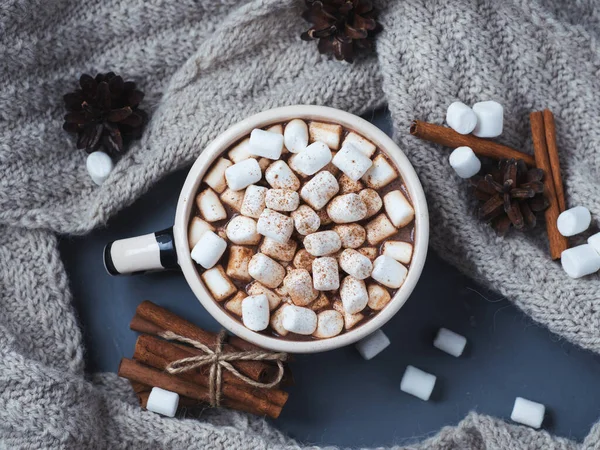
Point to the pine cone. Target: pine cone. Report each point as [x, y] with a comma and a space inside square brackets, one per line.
[510, 195]
[341, 26]
[104, 112]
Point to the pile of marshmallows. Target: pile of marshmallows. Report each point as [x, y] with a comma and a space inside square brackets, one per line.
[274, 212]
[421, 384]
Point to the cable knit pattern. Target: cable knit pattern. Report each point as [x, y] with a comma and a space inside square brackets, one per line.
[205, 65]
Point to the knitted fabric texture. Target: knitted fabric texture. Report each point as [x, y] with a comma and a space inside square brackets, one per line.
[205, 65]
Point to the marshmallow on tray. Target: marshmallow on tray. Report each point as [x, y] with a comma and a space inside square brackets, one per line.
[328, 133]
[282, 200]
[322, 243]
[254, 201]
[389, 272]
[398, 208]
[306, 220]
[372, 345]
[325, 274]
[242, 230]
[266, 270]
[490, 119]
[362, 144]
[280, 176]
[162, 402]
[312, 159]
[528, 413]
[99, 165]
[299, 286]
[347, 208]
[450, 342]
[319, 190]
[574, 221]
[461, 118]
[330, 323]
[355, 264]
[197, 229]
[275, 225]
[295, 135]
[380, 174]
[418, 383]
[209, 249]
[218, 283]
[266, 144]
[215, 178]
[210, 206]
[255, 312]
[400, 251]
[353, 293]
[465, 162]
[243, 174]
[299, 320]
[580, 261]
[352, 162]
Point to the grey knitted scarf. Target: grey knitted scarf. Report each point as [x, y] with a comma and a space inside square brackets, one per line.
[205, 65]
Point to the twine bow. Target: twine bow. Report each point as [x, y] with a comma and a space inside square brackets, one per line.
[217, 360]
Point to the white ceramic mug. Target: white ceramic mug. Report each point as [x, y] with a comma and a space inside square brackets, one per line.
[170, 248]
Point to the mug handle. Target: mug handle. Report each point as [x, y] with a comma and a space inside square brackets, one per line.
[150, 252]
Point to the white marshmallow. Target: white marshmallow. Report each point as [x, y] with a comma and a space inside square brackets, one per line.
[465, 162]
[528, 413]
[398, 208]
[280, 176]
[594, 241]
[258, 289]
[275, 225]
[378, 297]
[306, 220]
[242, 230]
[369, 252]
[580, 261]
[349, 319]
[215, 177]
[243, 174]
[277, 128]
[321, 302]
[574, 221]
[353, 293]
[276, 250]
[329, 323]
[255, 312]
[266, 144]
[237, 263]
[347, 208]
[299, 320]
[355, 264]
[372, 201]
[325, 274]
[295, 135]
[461, 118]
[209, 249]
[240, 152]
[312, 159]
[388, 272]
[210, 206]
[380, 174]
[235, 304]
[400, 251]
[99, 166]
[197, 229]
[418, 383]
[352, 162]
[162, 402]
[319, 190]
[352, 235]
[266, 270]
[303, 260]
[450, 342]
[364, 145]
[299, 286]
[379, 228]
[490, 119]
[254, 201]
[372, 345]
[233, 199]
[218, 283]
[282, 199]
[276, 321]
[329, 133]
[322, 243]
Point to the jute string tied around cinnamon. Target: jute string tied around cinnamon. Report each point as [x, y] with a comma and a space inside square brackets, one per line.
[217, 360]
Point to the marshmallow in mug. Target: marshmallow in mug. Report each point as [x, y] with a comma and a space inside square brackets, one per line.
[209, 249]
[299, 286]
[353, 293]
[210, 206]
[280, 176]
[266, 144]
[389, 272]
[215, 178]
[254, 201]
[299, 320]
[218, 283]
[275, 225]
[255, 312]
[243, 174]
[330, 323]
[322, 243]
[242, 230]
[347, 208]
[355, 264]
[319, 190]
[352, 162]
[282, 200]
[398, 208]
[266, 270]
[312, 159]
[306, 220]
[325, 274]
[295, 135]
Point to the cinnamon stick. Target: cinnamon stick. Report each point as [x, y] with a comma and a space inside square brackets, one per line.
[558, 243]
[482, 147]
[550, 129]
[157, 353]
[140, 373]
[164, 320]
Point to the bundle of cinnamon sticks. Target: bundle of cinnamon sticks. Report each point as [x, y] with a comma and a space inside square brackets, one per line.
[152, 355]
[545, 157]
